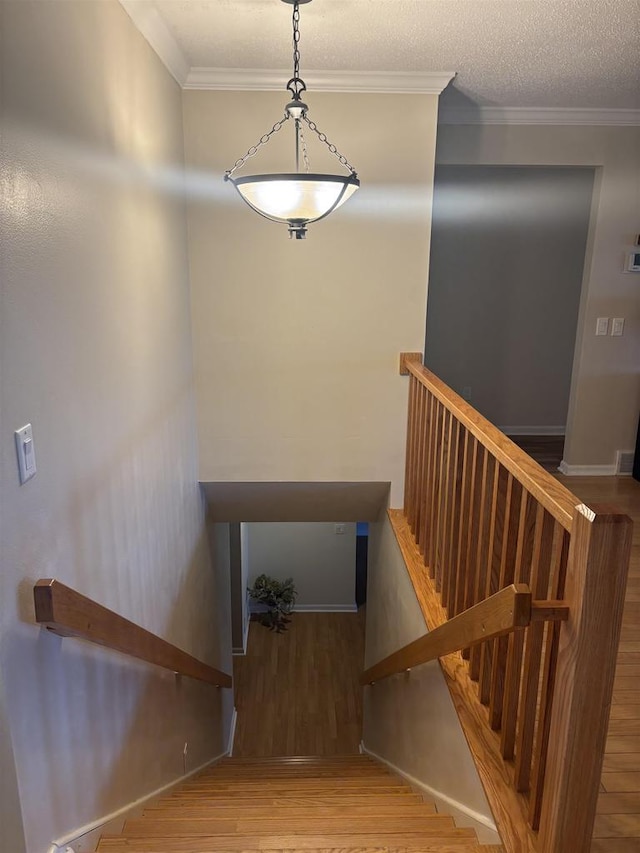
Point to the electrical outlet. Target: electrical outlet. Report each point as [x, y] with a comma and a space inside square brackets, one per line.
[340, 529]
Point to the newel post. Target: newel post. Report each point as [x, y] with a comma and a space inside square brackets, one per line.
[595, 590]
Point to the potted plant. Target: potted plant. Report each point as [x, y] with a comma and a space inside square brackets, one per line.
[278, 596]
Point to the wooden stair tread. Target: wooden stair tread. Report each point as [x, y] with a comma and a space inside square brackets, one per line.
[311, 801]
[429, 824]
[429, 847]
[294, 791]
[218, 782]
[299, 811]
[405, 841]
[306, 804]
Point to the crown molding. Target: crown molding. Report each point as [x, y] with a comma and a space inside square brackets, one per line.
[539, 115]
[269, 80]
[151, 25]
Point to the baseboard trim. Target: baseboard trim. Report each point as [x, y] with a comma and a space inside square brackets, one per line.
[76, 836]
[242, 650]
[232, 731]
[533, 430]
[481, 821]
[313, 608]
[587, 470]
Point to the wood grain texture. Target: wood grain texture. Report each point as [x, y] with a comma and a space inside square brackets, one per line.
[245, 822]
[509, 808]
[65, 612]
[406, 358]
[545, 488]
[501, 613]
[298, 693]
[596, 578]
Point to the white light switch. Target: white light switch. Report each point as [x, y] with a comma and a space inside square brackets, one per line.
[617, 326]
[602, 326]
[340, 528]
[26, 453]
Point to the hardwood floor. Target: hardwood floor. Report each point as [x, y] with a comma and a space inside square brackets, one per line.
[297, 693]
[547, 450]
[617, 828]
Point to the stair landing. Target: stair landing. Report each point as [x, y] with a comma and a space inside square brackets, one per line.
[350, 804]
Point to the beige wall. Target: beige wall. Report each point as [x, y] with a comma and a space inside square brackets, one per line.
[605, 393]
[409, 719]
[96, 354]
[296, 342]
[507, 258]
[321, 562]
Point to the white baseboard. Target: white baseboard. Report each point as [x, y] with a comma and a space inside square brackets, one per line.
[232, 732]
[485, 827]
[313, 608]
[533, 430]
[587, 470]
[85, 838]
[242, 650]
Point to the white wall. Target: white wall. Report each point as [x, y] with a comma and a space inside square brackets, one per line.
[605, 392]
[96, 354]
[321, 562]
[296, 342]
[507, 258]
[409, 719]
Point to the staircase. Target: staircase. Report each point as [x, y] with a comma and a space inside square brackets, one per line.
[347, 803]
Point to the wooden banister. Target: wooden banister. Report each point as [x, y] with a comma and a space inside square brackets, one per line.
[587, 653]
[67, 613]
[503, 612]
[551, 494]
[482, 519]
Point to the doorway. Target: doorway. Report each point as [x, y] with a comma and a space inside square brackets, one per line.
[507, 258]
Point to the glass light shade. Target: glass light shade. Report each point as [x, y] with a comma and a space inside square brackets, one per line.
[296, 199]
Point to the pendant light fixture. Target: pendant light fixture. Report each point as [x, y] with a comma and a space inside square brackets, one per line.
[300, 197]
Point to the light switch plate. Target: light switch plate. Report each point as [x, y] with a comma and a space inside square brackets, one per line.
[602, 326]
[617, 326]
[26, 453]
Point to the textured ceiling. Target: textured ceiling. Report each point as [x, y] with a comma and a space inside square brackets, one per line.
[520, 53]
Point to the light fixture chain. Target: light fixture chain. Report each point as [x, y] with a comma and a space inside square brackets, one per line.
[305, 156]
[296, 40]
[332, 148]
[255, 148]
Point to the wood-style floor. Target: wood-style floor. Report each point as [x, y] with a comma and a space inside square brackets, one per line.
[617, 828]
[547, 450]
[297, 693]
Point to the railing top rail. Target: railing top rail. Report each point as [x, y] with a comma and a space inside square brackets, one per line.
[67, 613]
[502, 613]
[550, 493]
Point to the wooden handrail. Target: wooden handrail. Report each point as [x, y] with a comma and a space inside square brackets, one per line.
[550, 493]
[480, 516]
[67, 613]
[496, 616]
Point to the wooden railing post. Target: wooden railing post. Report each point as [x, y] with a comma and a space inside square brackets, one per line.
[595, 591]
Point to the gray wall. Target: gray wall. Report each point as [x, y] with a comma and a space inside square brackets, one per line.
[296, 342]
[96, 354]
[409, 719]
[507, 258]
[321, 562]
[605, 386]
